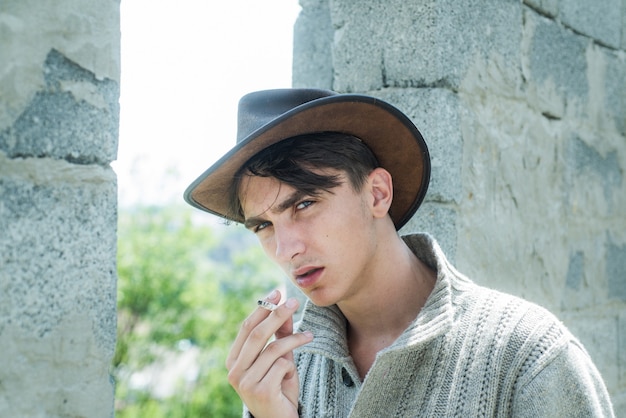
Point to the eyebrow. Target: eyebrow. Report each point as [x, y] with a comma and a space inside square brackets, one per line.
[288, 202]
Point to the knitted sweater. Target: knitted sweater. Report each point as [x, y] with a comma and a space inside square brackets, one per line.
[470, 352]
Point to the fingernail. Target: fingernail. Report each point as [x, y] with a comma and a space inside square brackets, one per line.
[291, 303]
[272, 294]
[308, 334]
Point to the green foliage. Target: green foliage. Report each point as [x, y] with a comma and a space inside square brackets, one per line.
[183, 290]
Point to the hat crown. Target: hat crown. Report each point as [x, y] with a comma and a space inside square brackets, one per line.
[259, 108]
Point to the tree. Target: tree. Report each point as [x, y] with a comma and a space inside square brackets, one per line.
[184, 288]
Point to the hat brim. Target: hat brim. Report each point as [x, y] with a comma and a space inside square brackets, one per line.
[392, 137]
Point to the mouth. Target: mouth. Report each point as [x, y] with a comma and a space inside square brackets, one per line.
[307, 277]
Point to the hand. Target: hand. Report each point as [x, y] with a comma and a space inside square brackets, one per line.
[264, 375]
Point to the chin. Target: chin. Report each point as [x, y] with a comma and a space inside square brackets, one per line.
[318, 298]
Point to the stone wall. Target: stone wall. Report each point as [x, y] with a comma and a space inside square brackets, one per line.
[59, 89]
[523, 105]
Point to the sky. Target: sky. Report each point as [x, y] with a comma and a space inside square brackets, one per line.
[185, 64]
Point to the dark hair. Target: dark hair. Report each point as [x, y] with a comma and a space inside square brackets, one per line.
[293, 160]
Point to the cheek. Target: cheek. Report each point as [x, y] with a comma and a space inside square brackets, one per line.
[269, 247]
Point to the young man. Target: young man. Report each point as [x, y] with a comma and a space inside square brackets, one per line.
[390, 328]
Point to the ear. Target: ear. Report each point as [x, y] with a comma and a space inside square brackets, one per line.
[381, 188]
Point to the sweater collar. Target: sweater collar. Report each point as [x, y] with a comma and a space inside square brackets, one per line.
[329, 326]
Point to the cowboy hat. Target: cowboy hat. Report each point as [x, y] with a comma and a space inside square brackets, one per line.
[269, 116]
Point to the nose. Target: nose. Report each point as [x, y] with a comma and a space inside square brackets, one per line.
[289, 243]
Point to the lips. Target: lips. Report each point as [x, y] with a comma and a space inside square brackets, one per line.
[307, 276]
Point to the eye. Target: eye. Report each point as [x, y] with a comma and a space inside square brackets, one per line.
[304, 204]
[261, 226]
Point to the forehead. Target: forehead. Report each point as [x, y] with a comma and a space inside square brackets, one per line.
[258, 194]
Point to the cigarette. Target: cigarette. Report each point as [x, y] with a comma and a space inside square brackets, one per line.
[267, 305]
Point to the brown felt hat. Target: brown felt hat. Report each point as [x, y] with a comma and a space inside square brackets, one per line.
[270, 116]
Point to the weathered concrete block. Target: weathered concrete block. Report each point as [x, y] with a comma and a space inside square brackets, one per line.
[356, 49]
[438, 220]
[601, 20]
[313, 37]
[57, 287]
[437, 114]
[414, 44]
[85, 31]
[555, 59]
[75, 117]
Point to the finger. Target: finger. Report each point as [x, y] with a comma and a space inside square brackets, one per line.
[257, 341]
[256, 317]
[276, 352]
[285, 330]
[281, 369]
[258, 337]
[268, 394]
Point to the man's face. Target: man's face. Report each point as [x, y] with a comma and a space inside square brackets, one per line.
[324, 243]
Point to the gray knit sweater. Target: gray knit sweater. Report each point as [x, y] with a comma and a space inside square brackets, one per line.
[470, 352]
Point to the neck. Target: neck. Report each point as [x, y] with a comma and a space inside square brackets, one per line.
[394, 291]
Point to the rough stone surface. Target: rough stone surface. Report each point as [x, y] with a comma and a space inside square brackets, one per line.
[621, 329]
[613, 66]
[556, 61]
[72, 105]
[438, 220]
[59, 89]
[586, 168]
[313, 37]
[415, 44]
[57, 282]
[615, 267]
[547, 7]
[437, 114]
[600, 20]
[85, 31]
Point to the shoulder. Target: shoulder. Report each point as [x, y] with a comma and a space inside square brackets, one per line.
[510, 317]
[513, 330]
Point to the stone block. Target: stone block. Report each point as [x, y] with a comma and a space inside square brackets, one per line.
[415, 44]
[312, 46]
[438, 220]
[356, 49]
[600, 20]
[57, 287]
[555, 61]
[75, 117]
[437, 114]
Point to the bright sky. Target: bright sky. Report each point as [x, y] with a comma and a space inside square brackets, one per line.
[185, 64]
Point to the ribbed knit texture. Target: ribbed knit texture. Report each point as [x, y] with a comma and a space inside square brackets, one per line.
[471, 352]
